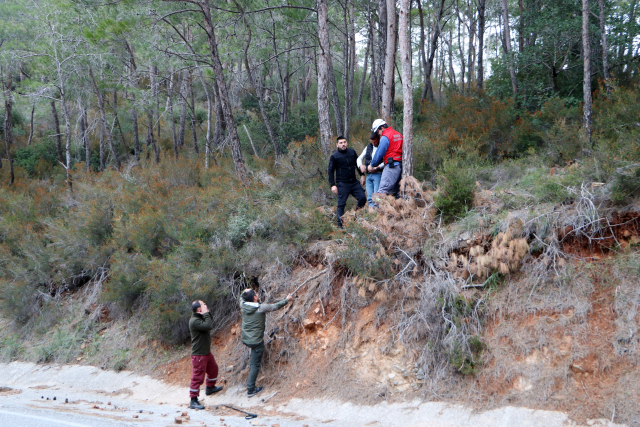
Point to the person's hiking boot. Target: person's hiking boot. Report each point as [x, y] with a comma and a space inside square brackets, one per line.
[195, 404]
[210, 390]
[256, 390]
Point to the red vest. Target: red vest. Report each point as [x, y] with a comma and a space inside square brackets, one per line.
[395, 145]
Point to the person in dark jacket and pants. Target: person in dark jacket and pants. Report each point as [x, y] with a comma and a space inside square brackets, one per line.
[254, 316]
[343, 163]
[200, 326]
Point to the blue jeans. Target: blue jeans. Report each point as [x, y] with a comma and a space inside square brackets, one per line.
[373, 182]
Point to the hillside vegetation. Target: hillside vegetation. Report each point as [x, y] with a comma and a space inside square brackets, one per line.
[489, 276]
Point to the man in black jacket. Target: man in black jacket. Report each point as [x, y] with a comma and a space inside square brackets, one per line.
[343, 164]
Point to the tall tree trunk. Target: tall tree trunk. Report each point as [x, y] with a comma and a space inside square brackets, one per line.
[605, 47]
[323, 77]
[460, 48]
[586, 53]
[192, 108]
[428, 69]
[303, 73]
[151, 142]
[134, 112]
[335, 98]
[389, 68]
[284, 112]
[174, 134]
[521, 27]
[507, 47]
[183, 108]
[373, 81]
[472, 50]
[423, 55]
[236, 152]
[481, 28]
[134, 120]
[133, 77]
[257, 86]
[8, 126]
[383, 37]
[56, 122]
[33, 109]
[103, 119]
[207, 149]
[220, 125]
[364, 75]
[350, 65]
[85, 137]
[155, 91]
[407, 89]
[451, 72]
[67, 146]
[103, 157]
[117, 121]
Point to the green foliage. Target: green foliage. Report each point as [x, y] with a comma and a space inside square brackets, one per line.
[466, 354]
[457, 185]
[10, 349]
[128, 279]
[626, 183]
[17, 119]
[61, 347]
[121, 358]
[468, 362]
[38, 159]
[365, 253]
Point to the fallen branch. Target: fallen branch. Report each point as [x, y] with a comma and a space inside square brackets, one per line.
[267, 399]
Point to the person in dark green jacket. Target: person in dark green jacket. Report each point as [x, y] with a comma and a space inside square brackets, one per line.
[200, 326]
[253, 324]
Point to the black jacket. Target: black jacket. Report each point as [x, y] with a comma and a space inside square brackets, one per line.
[343, 163]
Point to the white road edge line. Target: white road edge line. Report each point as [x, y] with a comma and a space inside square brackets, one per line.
[68, 423]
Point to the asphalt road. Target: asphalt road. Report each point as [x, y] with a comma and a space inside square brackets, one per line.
[20, 416]
[89, 396]
[31, 408]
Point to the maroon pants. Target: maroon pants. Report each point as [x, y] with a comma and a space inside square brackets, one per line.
[201, 365]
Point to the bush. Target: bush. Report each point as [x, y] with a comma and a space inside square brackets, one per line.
[37, 159]
[457, 185]
[626, 183]
[365, 254]
[10, 349]
[128, 279]
[468, 362]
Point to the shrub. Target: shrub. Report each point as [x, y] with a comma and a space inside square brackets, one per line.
[98, 225]
[37, 159]
[365, 254]
[128, 279]
[468, 362]
[457, 186]
[10, 349]
[626, 183]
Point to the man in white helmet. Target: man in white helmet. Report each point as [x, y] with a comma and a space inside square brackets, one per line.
[390, 152]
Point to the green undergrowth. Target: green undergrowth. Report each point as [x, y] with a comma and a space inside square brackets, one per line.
[158, 236]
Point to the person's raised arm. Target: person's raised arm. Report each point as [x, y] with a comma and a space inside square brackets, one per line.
[265, 308]
[205, 324]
